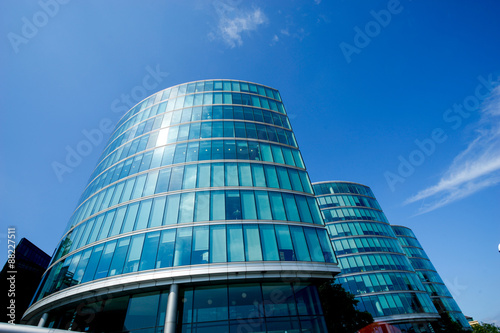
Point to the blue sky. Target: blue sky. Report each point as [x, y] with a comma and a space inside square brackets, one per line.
[400, 96]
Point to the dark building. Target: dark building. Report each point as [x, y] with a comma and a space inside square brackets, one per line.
[30, 264]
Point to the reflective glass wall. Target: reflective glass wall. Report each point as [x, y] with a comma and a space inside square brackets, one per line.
[204, 173]
[435, 287]
[374, 265]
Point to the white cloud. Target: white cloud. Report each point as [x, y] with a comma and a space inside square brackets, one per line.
[233, 22]
[475, 168]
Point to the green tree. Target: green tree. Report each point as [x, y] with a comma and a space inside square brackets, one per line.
[448, 325]
[485, 328]
[339, 308]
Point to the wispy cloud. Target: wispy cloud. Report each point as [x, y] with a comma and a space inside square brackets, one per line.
[234, 22]
[475, 168]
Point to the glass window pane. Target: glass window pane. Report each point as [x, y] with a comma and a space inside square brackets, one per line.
[186, 207]
[200, 245]
[233, 206]
[235, 240]
[182, 254]
[143, 217]
[217, 174]
[203, 175]
[279, 300]
[93, 262]
[245, 301]
[263, 207]
[259, 180]
[134, 254]
[313, 244]
[248, 205]
[305, 214]
[269, 245]
[156, 218]
[120, 253]
[142, 311]
[292, 211]
[299, 243]
[189, 176]
[253, 249]
[271, 176]
[202, 212]
[107, 224]
[217, 243]
[210, 304]
[245, 174]
[166, 249]
[285, 247]
[218, 211]
[117, 223]
[277, 206]
[148, 256]
[172, 209]
[163, 180]
[130, 217]
[231, 174]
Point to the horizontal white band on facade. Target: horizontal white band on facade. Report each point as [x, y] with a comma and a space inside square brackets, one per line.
[405, 318]
[159, 278]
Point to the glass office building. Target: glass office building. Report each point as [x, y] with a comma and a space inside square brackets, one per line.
[374, 266]
[440, 295]
[199, 216]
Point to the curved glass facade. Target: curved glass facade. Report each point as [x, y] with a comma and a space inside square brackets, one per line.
[435, 287]
[197, 182]
[374, 266]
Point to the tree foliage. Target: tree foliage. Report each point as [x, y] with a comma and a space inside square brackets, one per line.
[339, 308]
[448, 325]
[485, 328]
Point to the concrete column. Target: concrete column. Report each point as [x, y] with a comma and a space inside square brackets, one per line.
[171, 313]
[42, 321]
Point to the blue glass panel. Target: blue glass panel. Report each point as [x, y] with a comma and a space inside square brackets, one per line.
[107, 255]
[130, 217]
[269, 245]
[313, 244]
[120, 253]
[148, 256]
[117, 223]
[203, 178]
[253, 250]
[233, 206]
[141, 312]
[235, 243]
[299, 243]
[199, 254]
[218, 211]
[271, 176]
[156, 218]
[263, 206]
[143, 217]
[166, 249]
[291, 207]
[248, 205]
[202, 212]
[259, 179]
[277, 207]
[172, 209]
[182, 253]
[107, 224]
[218, 243]
[93, 262]
[134, 254]
[285, 247]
